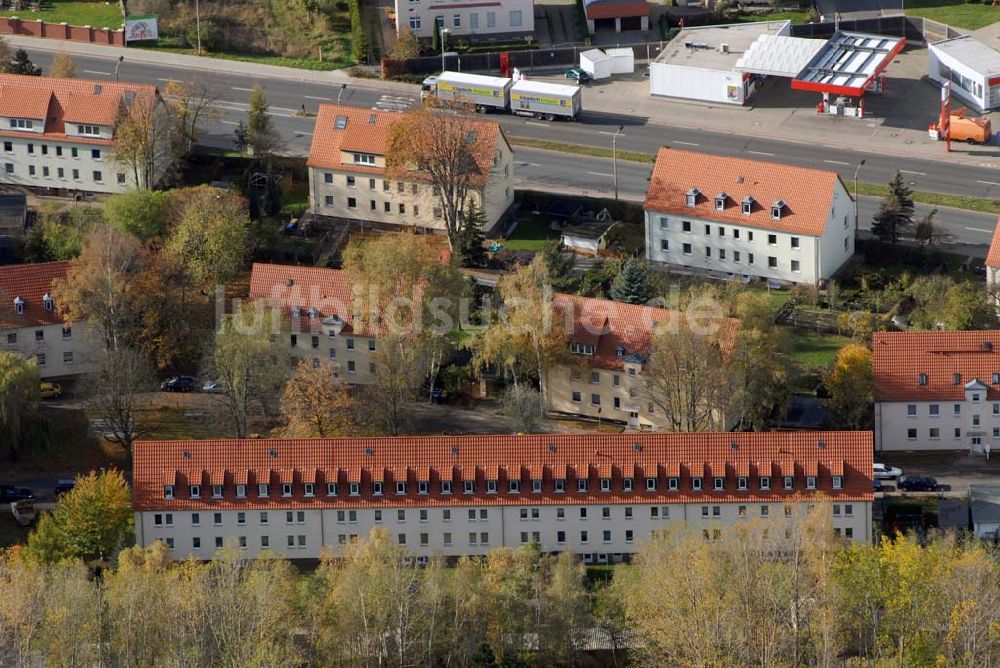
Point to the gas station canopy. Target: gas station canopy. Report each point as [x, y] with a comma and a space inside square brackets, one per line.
[778, 55]
[848, 63]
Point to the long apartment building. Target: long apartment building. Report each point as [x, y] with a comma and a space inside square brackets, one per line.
[599, 496]
[477, 21]
[32, 326]
[747, 217]
[59, 133]
[609, 345]
[936, 390]
[348, 177]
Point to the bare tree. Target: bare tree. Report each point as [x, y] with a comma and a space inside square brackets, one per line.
[192, 102]
[114, 394]
[143, 139]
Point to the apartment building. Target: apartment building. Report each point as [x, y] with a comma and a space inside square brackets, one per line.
[59, 133]
[483, 21]
[993, 266]
[609, 342]
[348, 178]
[937, 390]
[733, 216]
[599, 496]
[31, 325]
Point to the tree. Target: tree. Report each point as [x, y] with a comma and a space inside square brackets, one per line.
[758, 378]
[401, 364]
[632, 285]
[927, 233]
[211, 233]
[850, 385]
[18, 402]
[90, 522]
[564, 610]
[63, 233]
[436, 38]
[523, 403]
[407, 44]
[246, 360]
[441, 149]
[137, 212]
[21, 64]
[560, 264]
[192, 102]
[943, 303]
[315, 405]
[471, 241]
[114, 393]
[63, 66]
[895, 213]
[510, 585]
[144, 139]
[261, 136]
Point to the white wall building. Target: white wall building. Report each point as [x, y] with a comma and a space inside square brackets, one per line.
[972, 67]
[937, 390]
[598, 496]
[470, 21]
[59, 133]
[31, 325]
[747, 217]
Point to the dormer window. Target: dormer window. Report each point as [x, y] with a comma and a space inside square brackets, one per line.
[340, 123]
[720, 201]
[168, 491]
[747, 205]
[313, 313]
[194, 491]
[619, 350]
[692, 197]
[21, 124]
[296, 312]
[89, 130]
[777, 209]
[19, 305]
[47, 302]
[582, 349]
[956, 378]
[364, 159]
[922, 379]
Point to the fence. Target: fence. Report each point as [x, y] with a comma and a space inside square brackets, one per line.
[63, 31]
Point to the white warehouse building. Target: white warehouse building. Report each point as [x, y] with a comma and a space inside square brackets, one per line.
[973, 68]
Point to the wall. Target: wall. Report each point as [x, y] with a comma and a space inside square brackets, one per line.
[33, 28]
[892, 421]
[694, 83]
[467, 21]
[836, 246]
[59, 155]
[936, 58]
[53, 346]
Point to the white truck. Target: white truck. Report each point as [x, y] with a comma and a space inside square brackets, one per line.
[524, 97]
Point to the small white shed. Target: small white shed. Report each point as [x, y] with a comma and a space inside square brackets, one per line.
[622, 60]
[596, 63]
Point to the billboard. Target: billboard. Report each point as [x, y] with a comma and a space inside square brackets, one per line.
[141, 28]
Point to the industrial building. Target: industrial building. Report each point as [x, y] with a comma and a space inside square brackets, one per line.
[972, 67]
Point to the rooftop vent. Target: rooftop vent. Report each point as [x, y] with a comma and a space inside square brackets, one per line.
[97, 89]
[290, 282]
[369, 452]
[739, 179]
[987, 345]
[371, 119]
[341, 122]
[552, 447]
[821, 444]
[734, 445]
[638, 447]
[186, 454]
[454, 450]
[272, 453]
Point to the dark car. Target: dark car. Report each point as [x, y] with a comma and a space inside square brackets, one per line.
[178, 384]
[579, 75]
[10, 493]
[918, 483]
[64, 485]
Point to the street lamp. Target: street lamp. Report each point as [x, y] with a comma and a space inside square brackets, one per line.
[121, 59]
[614, 157]
[856, 171]
[197, 21]
[444, 40]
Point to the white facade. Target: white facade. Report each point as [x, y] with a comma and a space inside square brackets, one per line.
[596, 63]
[702, 243]
[972, 68]
[45, 163]
[471, 21]
[59, 350]
[970, 424]
[598, 533]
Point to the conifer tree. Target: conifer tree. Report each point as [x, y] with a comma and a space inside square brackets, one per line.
[895, 213]
[470, 238]
[631, 285]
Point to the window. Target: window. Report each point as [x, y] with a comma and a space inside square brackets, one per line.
[263, 518]
[514, 486]
[468, 486]
[911, 410]
[673, 484]
[559, 485]
[696, 484]
[838, 482]
[581, 485]
[377, 488]
[401, 515]
[40, 359]
[956, 378]
[491, 486]
[704, 511]
[121, 178]
[772, 262]
[765, 482]
[789, 482]
[605, 484]
[68, 357]
[400, 487]
[595, 400]
[650, 484]
[708, 230]
[76, 174]
[194, 491]
[795, 266]
[286, 489]
[457, 20]
[934, 433]
[415, 25]
[241, 491]
[935, 410]
[262, 489]
[8, 146]
[241, 519]
[217, 519]
[708, 251]
[686, 249]
[958, 409]
[958, 432]
[627, 484]
[98, 177]
[584, 537]
[515, 18]
[742, 483]
[772, 240]
[810, 482]
[12, 337]
[352, 203]
[718, 483]
[8, 167]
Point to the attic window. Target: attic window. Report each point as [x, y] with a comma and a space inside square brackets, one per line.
[97, 89]
[296, 312]
[777, 209]
[340, 123]
[956, 378]
[922, 379]
[620, 350]
[364, 158]
[996, 378]
[47, 301]
[313, 312]
[987, 345]
[19, 305]
[692, 196]
[129, 97]
[720, 201]
[747, 205]
[371, 119]
[581, 348]
[471, 137]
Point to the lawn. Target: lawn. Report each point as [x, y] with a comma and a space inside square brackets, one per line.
[968, 15]
[795, 16]
[261, 59]
[814, 350]
[531, 234]
[73, 449]
[95, 14]
[185, 422]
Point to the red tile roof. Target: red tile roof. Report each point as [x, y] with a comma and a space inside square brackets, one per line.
[993, 257]
[899, 358]
[30, 282]
[807, 193]
[608, 324]
[499, 457]
[610, 10]
[66, 100]
[368, 131]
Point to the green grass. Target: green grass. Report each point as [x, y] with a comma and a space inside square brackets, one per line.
[777, 298]
[532, 233]
[592, 151]
[970, 16]
[814, 350]
[280, 61]
[795, 16]
[94, 14]
[171, 423]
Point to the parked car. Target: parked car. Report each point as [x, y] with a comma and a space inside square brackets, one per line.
[886, 472]
[49, 390]
[918, 483]
[579, 75]
[64, 485]
[10, 493]
[178, 384]
[214, 387]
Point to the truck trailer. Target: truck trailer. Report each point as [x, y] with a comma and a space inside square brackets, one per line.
[524, 98]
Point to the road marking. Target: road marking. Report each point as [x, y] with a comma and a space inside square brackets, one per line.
[604, 132]
[229, 122]
[313, 97]
[687, 143]
[599, 174]
[906, 171]
[978, 229]
[761, 153]
[836, 162]
[248, 90]
[107, 74]
[989, 183]
[541, 125]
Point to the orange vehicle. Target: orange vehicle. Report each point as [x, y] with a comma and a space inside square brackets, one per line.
[969, 130]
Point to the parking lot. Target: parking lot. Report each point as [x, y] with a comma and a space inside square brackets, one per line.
[954, 471]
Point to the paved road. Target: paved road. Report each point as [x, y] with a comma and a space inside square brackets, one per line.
[286, 96]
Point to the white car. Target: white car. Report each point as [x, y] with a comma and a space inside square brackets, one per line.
[214, 387]
[886, 472]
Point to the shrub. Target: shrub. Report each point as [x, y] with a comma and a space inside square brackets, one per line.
[359, 45]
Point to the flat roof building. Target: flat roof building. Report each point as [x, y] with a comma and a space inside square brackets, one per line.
[973, 68]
